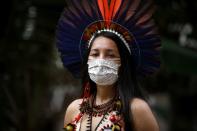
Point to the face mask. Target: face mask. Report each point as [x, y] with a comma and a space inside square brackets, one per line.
[103, 72]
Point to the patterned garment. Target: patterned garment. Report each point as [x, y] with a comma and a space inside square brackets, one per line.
[107, 115]
[105, 124]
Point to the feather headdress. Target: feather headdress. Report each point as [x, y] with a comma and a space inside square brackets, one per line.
[130, 19]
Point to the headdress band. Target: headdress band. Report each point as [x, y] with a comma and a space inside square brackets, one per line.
[111, 31]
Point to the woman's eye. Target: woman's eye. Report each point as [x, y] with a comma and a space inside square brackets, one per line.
[111, 55]
[94, 55]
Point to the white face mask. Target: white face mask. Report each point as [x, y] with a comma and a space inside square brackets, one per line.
[103, 72]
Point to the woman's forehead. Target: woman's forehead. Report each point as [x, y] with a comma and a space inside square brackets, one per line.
[104, 43]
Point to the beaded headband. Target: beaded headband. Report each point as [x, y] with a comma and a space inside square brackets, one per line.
[111, 31]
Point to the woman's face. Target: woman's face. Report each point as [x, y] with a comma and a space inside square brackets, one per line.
[103, 61]
[104, 48]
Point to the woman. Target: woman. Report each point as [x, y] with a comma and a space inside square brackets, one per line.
[114, 56]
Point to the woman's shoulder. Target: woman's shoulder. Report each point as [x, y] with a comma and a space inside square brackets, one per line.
[74, 104]
[72, 110]
[138, 104]
[143, 117]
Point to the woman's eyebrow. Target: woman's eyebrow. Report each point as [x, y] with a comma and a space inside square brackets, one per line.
[96, 50]
[107, 50]
[111, 50]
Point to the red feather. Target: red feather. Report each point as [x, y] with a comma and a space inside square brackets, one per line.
[114, 7]
[109, 11]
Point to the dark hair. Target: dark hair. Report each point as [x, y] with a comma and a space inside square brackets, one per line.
[127, 85]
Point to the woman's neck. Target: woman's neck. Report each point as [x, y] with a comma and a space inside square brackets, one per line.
[104, 94]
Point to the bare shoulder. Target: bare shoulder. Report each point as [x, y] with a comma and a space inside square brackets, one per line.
[72, 110]
[143, 118]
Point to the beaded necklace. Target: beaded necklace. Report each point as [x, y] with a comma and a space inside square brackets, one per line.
[89, 107]
[92, 109]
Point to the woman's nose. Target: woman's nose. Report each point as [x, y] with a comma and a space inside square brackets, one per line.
[101, 56]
